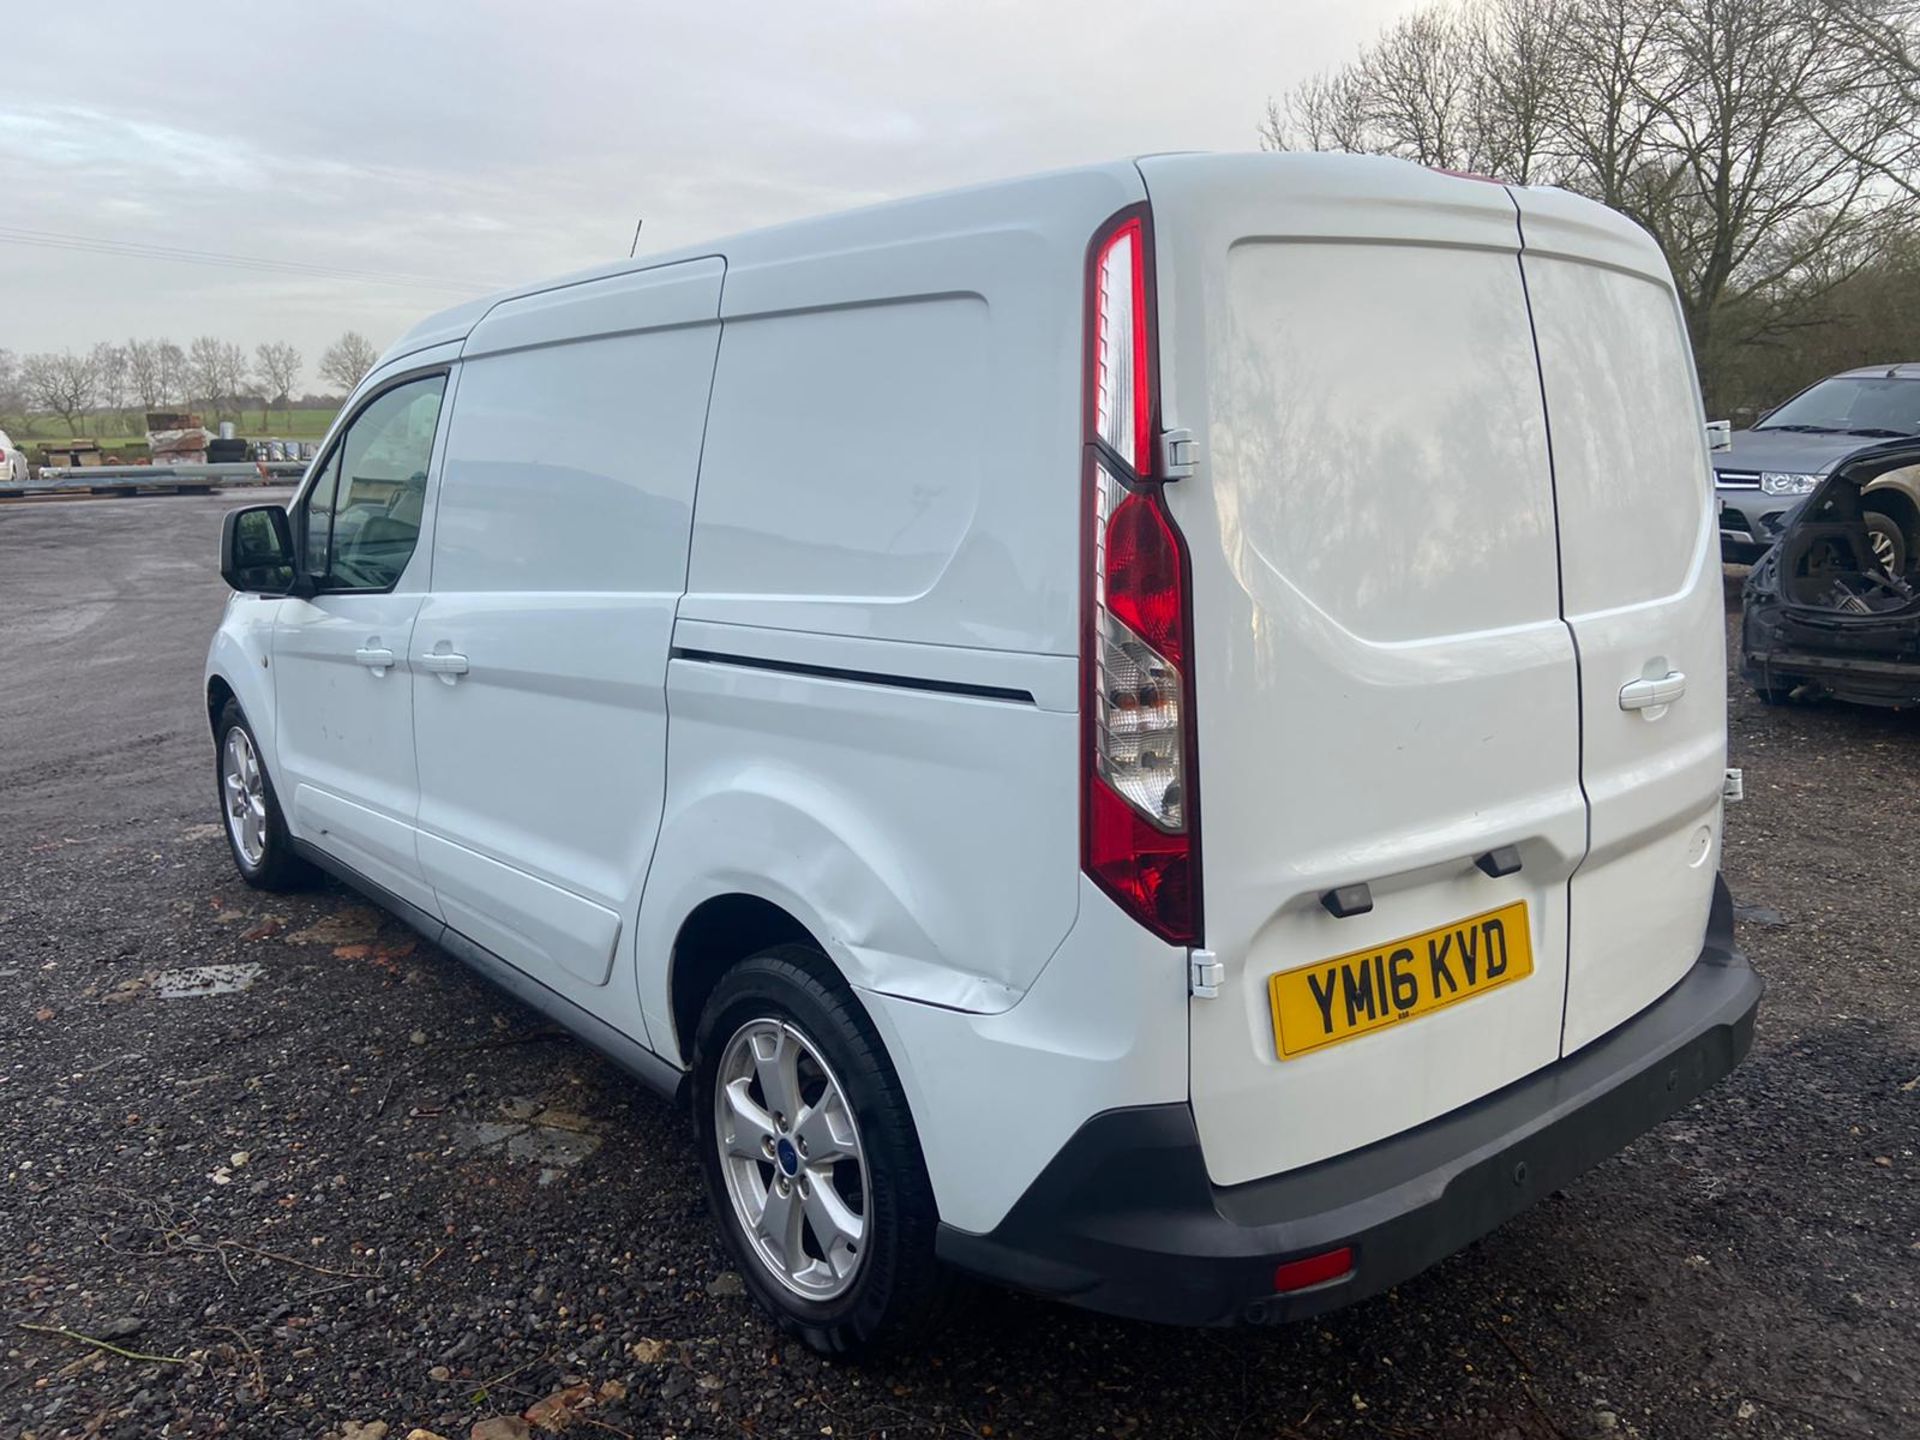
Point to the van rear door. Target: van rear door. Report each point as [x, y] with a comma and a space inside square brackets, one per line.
[1640, 572]
[1386, 693]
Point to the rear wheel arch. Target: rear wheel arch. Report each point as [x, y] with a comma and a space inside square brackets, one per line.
[718, 934]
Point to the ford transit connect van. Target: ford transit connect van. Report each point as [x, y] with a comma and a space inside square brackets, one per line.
[1154, 734]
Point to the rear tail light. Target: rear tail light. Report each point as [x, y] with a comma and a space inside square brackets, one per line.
[1139, 822]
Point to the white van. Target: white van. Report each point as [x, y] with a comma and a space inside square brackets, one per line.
[1154, 733]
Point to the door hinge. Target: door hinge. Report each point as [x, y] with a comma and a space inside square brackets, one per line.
[1204, 974]
[1734, 786]
[1176, 456]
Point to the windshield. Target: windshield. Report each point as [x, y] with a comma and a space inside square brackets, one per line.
[1852, 407]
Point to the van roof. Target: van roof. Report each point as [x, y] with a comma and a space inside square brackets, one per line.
[900, 217]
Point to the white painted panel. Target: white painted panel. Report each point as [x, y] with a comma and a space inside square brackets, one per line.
[1104, 1026]
[837, 470]
[1385, 688]
[929, 841]
[683, 294]
[374, 844]
[560, 554]
[1641, 557]
[524, 921]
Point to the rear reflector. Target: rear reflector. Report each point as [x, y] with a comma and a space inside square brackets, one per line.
[1137, 822]
[1314, 1270]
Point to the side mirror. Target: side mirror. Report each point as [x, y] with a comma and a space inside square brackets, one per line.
[1719, 435]
[256, 550]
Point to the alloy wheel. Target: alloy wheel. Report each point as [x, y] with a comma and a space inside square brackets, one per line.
[791, 1156]
[243, 790]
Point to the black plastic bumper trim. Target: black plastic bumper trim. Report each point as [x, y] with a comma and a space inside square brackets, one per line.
[1125, 1220]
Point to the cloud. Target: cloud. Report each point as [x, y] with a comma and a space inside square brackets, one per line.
[486, 142]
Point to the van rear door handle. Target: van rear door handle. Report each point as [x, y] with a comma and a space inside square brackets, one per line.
[375, 658]
[444, 663]
[1649, 694]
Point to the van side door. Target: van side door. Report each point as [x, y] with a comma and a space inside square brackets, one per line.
[540, 655]
[343, 707]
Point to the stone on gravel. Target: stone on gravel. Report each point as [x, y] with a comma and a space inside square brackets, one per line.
[500, 1427]
[364, 1430]
[727, 1282]
[560, 1409]
[648, 1352]
[198, 981]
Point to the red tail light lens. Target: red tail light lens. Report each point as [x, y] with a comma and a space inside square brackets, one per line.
[1138, 820]
[1313, 1270]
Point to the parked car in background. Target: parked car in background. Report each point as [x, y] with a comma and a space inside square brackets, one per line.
[1768, 472]
[1824, 614]
[13, 463]
[976, 750]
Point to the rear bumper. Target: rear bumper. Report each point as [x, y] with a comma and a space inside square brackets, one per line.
[1124, 1219]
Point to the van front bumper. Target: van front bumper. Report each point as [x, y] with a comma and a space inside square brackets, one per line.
[1124, 1219]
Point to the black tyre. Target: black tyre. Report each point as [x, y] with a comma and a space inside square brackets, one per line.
[256, 830]
[1773, 694]
[811, 1159]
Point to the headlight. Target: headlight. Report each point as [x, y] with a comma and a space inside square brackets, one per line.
[1776, 482]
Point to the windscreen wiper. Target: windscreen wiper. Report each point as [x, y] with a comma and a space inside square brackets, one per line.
[1803, 429]
[1879, 432]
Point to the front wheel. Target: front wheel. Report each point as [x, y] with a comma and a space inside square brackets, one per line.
[256, 830]
[811, 1160]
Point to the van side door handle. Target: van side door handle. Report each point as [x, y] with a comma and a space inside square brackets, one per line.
[1653, 694]
[376, 658]
[444, 663]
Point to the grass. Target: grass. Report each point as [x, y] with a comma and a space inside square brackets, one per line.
[299, 423]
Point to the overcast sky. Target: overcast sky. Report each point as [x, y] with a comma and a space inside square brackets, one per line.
[482, 143]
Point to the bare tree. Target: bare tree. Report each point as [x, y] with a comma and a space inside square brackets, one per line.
[1876, 91]
[346, 361]
[278, 366]
[111, 380]
[203, 372]
[216, 373]
[145, 378]
[231, 367]
[170, 364]
[1738, 132]
[1517, 81]
[13, 398]
[1328, 112]
[64, 384]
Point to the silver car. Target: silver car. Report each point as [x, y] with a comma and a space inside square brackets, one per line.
[1770, 470]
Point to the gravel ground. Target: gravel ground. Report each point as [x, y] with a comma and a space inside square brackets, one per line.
[367, 1191]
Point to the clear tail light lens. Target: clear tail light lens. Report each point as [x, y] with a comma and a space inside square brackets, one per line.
[1138, 822]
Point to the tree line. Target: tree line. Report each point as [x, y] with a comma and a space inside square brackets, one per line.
[209, 374]
[1770, 147]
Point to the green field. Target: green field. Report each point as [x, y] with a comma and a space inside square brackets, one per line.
[298, 423]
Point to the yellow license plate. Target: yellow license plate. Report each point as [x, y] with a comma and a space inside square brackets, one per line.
[1351, 995]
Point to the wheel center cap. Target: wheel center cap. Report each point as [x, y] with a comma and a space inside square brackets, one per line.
[788, 1157]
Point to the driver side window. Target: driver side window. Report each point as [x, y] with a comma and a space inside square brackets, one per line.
[363, 514]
